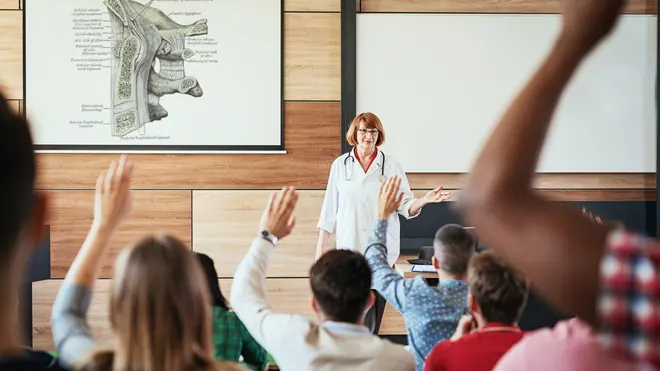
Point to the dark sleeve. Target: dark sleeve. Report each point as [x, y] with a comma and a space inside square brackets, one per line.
[253, 353]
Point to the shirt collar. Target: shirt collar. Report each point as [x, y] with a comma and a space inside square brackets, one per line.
[499, 325]
[345, 327]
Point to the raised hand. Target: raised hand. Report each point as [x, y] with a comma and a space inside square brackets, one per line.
[390, 197]
[112, 200]
[278, 217]
[465, 326]
[436, 196]
[586, 22]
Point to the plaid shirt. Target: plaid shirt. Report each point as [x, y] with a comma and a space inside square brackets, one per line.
[629, 303]
[231, 340]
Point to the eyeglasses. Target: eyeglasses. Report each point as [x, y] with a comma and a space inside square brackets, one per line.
[373, 132]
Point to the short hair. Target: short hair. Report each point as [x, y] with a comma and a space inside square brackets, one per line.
[17, 176]
[341, 284]
[453, 247]
[370, 121]
[500, 291]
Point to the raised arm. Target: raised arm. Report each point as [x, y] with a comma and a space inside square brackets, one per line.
[385, 279]
[112, 203]
[248, 290]
[551, 243]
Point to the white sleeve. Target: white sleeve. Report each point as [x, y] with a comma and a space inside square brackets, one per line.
[408, 195]
[331, 201]
[248, 300]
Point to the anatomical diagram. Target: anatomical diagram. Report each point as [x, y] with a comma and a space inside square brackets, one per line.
[144, 38]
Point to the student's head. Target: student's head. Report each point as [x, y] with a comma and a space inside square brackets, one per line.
[366, 131]
[160, 309]
[341, 286]
[453, 247]
[217, 299]
[497, 292]
[23, 210]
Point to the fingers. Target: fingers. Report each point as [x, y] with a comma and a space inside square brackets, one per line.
[109, 175]
[271, 201]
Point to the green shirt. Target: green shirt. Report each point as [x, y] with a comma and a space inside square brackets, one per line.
[231, 340]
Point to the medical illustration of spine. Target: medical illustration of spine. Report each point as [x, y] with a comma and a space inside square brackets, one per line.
[142, 34]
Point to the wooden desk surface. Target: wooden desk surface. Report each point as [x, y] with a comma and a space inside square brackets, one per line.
[405, 269]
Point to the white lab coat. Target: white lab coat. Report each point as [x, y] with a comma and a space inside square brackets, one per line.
[351, 206]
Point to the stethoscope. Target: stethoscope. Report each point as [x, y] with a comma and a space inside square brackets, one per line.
[348, 173]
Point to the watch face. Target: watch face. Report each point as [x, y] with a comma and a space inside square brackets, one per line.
[264, 233]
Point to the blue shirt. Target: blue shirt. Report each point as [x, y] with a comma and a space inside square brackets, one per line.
[431, 314]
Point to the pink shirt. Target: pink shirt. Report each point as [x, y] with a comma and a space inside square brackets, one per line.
[569, 346]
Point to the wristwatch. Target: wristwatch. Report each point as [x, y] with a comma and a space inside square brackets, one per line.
[269, 237]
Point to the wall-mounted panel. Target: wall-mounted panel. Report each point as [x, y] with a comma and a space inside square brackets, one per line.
[15, 105]
[461, 70]
[312, 56]
[71, 216]
[545, 181]
[10, 4]
[312, 140]
[312, 5]
[577, 195]
[480, 6]
[226, 222]
[11, 54]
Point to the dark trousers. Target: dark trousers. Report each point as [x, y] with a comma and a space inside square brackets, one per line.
[375, 314]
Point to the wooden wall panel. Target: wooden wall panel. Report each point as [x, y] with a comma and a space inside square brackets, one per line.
[284, 295]
[72, 213]
[311, 136]
[579, 195]
[11, 54]
[9, 4]
[226, 222]
[312, 56]
[43, 296]
[495, 6]
[545, 181]
[15, 105]
[312, 5]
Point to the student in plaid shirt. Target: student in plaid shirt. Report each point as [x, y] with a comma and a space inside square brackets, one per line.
[602, 274]
[231, 339]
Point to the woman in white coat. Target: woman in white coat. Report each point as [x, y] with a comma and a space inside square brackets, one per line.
[351, 198]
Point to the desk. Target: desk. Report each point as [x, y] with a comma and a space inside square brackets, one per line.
[405, 269]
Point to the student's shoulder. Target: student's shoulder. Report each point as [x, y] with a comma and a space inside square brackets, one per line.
[392, 353]
[30, 364]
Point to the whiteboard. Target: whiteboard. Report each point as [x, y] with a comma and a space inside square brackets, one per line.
[440, 82]
[155, 76]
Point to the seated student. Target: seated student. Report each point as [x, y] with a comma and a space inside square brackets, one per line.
[430, 313]
[21, 230]
[497, 296]
[600, 273]
[160, 308]
[571, 345]
[231, 339]
[341, 286]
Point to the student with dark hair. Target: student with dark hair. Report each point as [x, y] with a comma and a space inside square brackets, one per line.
[431, 314]
[497, 296]
[341, 286]
[231, 339]
[22, 223]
